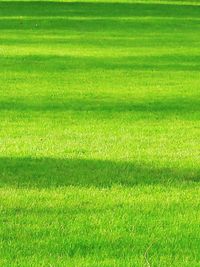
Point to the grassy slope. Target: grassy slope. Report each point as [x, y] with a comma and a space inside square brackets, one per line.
[99, 119]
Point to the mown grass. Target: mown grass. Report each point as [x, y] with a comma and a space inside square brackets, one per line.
[99, 140]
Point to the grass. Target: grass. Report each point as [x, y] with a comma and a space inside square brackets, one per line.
[99, 140]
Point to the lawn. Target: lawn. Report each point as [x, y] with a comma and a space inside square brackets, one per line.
[100, 133]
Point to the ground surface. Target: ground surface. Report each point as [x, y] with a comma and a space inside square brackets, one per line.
[99, 139]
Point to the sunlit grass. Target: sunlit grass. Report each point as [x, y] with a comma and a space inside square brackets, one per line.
[99, 140]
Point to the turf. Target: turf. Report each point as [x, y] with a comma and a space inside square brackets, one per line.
[99, 139]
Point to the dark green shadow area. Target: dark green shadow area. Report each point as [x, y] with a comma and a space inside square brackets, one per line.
[59, 64]
[37, 8]
[51, 172]
[82, 17]
[115, 26]
[160, 108]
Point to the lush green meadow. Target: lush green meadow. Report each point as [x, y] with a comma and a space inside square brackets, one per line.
[100, 133]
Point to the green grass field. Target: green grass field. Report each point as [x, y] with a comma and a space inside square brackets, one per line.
[100, 133]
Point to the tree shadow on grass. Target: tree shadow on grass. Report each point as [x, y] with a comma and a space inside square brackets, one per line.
[95, 17]
[88, 9]
[51, 172]
[187, 108]
[65, 64]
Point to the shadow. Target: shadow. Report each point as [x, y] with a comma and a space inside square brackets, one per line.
[103, 25]
[50, 172]
[57, 64]
[163, 108]
[38, 8]
[98, 17]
